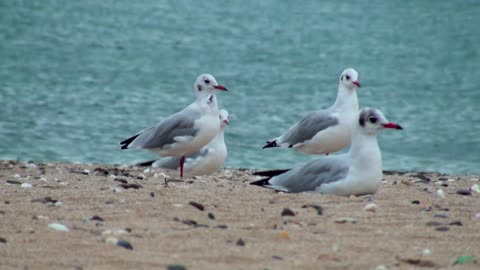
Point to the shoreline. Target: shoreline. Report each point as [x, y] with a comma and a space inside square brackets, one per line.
[126, 217]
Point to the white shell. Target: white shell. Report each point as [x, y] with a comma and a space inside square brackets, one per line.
[58, 227]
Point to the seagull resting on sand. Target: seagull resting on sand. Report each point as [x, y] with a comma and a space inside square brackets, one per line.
[358, 172]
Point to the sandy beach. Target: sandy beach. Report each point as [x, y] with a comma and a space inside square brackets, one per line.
[77, 216]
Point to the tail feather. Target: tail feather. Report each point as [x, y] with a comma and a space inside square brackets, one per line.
[145, 163]
[271, 173]
[265, 182]
[262, 182]
[272, 143]
[128, 141]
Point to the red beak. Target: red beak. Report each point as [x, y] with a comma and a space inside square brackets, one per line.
[392, 125]
[226, 121]
[357, 83]
[220, 87]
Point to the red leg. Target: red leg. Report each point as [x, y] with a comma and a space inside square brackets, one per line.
[182, 161]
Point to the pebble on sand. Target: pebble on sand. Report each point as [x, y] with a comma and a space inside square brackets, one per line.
[441, 193]
[197, 205]
[58, 227]
[176, 267]
[464, 192]
[240, 242]
[371, 207]
[125, 244]
[287, 212]
[13, 182]
[26, 185]
[344, 220]
[314, 206]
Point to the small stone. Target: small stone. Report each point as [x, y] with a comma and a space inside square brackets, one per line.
[456, 223]
[152, 194]
[58, 203]
[176, 267]
[221, 226]
[111, 240]
[433, 224]
[211, 216]
[371, 207]
[426, 252]
[125, 244]
[451, 180]
[133, 185]
[275, 257]
[16, 176]
[146, 170]
[442, 229]
[381, 267]
[284, 235]
[177, 205]
[316, 207]
[121, 180]
[31, 166]
[464, 192]
[475, 188]
[86, 172]
[96, 218]
[58, 227]
[440, 216]
[13, 182]
[47, 199]
[26, 185]
[287, 212]
[477, 215]
[3, 240]
[441, 193]
[344, 220]
[199, 206]
[473, 179]
[240, 242]
[117, 189]
[415, 202]
[120, 232]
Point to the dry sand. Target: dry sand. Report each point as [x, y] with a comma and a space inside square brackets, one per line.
[241, 226]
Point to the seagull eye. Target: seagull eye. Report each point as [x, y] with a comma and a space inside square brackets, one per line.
[347, 77]
[207, 81]
[372, 119]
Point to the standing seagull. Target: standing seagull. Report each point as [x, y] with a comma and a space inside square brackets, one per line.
[325, 131]
[186, 131]
[357, 172]
[204, 162]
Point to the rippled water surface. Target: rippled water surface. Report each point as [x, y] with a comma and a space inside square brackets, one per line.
[77, 77]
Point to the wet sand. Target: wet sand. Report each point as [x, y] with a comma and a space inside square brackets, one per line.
[222, 222]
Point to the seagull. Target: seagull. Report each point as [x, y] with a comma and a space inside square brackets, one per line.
[186, 131]
[204, 162]
[325, 131]
[358, 172]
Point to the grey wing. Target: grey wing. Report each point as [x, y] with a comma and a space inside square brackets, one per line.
[167, 131]
[308, 127]
[310, 176]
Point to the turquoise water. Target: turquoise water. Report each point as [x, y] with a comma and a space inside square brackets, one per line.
[77, 77]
